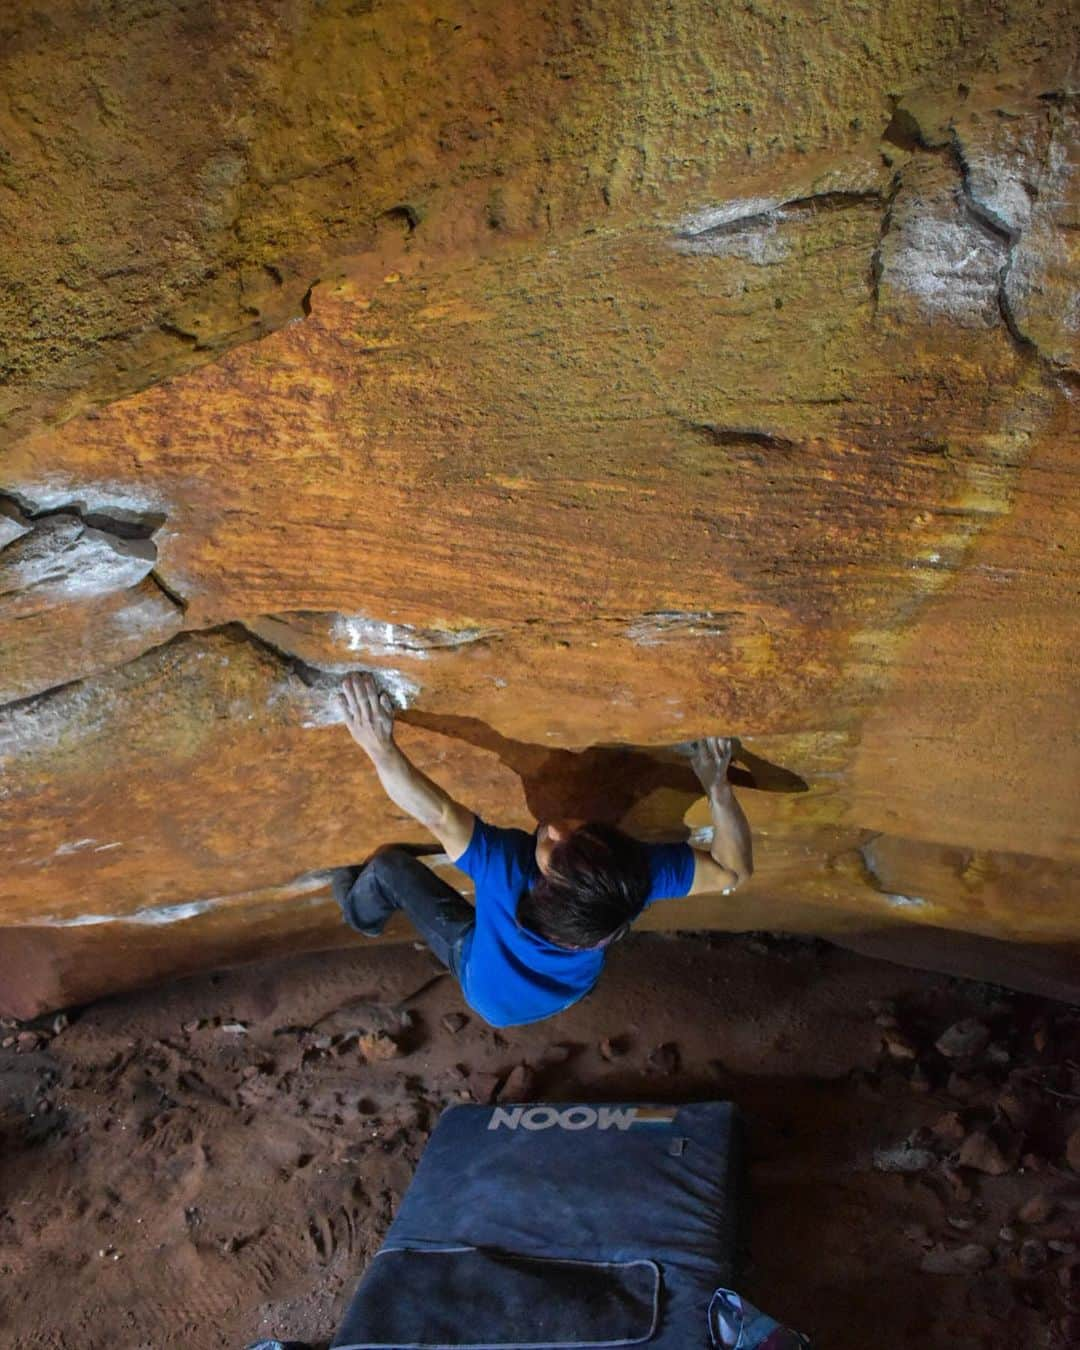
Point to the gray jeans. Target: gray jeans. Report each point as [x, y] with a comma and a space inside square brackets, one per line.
[394, 879]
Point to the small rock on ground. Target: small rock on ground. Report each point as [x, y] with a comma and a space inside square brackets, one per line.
[964, 1260]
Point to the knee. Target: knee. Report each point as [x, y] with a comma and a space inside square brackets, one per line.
[389, 864]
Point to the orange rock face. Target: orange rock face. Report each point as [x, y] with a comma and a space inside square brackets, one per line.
[600, 382]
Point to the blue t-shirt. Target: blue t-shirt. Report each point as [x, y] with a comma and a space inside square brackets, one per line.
[511, 975]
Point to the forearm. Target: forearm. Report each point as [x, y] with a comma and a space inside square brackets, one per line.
[732, 846]
[412, 790]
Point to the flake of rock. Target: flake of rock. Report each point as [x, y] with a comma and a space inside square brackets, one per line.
[903, 1159]
[1062, 1246]
[453, 1022]
[27, 1040]
[665, 1059]
[517, 1086]
[1072, 1150]
[983, 1153]
[966, 1260]
[898, 1045]
[961, 1222]
[1007, 1233]
[1033, 1254]
[234, 1028]
[59, 1023]
[1037, 1209]
[964, 1039]
[7, 1042]
[376, 1045]
[949, 1127]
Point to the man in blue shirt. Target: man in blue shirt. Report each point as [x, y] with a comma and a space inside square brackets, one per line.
[548, 904]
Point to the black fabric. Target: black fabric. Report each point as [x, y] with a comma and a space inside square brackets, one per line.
[469, 1297]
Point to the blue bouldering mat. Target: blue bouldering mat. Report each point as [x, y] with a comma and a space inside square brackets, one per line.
[564, 1227]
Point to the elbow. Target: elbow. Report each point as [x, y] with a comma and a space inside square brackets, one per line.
[741, 874]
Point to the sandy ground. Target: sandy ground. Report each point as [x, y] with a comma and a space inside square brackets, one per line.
[214, 1161]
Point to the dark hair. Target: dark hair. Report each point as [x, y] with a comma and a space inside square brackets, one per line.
[595, 886]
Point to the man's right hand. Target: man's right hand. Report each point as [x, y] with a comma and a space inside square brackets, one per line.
[369, 714]
[710, 757]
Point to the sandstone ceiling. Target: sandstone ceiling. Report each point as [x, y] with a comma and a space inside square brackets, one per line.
[602, 375]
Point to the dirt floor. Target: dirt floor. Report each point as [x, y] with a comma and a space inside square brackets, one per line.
[214, 1161]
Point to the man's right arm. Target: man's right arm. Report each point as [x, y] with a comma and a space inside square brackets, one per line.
[730, 861]
[369, 716]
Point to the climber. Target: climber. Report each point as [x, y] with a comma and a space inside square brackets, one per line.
[548, 904]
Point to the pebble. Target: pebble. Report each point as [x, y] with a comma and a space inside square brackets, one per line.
[982, 1153]
[1072, 1150]
[898, 1045]
[949, 1126]
[1017, 1110]
[1036, 1210]
[919, 1080]
[1033, 1254]
[964, 1039]
[517, 1086]
[964, 1260]
[484, 1085]
[665, 1059]
[960, 1189]
[375, 1045]
[903, 1159]
[1069, 1326]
